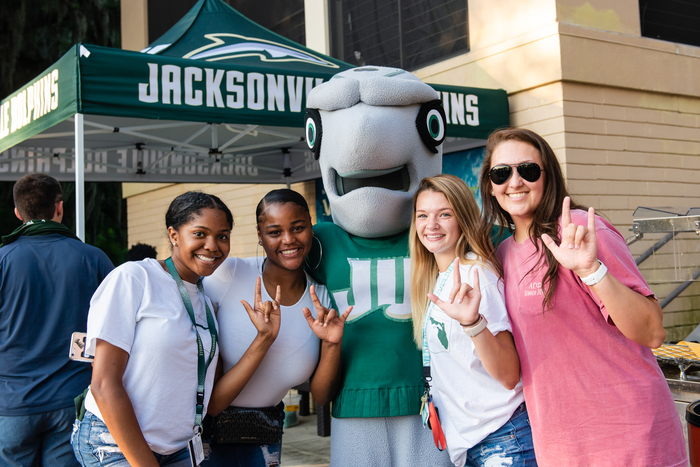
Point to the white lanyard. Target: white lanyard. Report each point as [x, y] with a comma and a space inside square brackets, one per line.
[431, 305]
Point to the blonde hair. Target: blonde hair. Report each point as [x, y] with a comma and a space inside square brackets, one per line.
[424, 268]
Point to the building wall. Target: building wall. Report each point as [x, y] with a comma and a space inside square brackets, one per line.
[134, 25]
[622, 113]
[148, 203]
[628, 148]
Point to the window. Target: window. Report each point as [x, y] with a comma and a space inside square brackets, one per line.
[163, 14]
[285, 17]
[671, 20]
[400, 33]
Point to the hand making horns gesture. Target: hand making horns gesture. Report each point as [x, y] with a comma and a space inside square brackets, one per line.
[464, 300]
[327, 326]
[265, 316]
[578, 249]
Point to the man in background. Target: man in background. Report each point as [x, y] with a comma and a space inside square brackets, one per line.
[47, 277]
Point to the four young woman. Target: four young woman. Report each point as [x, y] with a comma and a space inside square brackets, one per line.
[561, 302]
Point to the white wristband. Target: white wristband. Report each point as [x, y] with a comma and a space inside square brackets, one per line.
[597, 276]
[473, 331]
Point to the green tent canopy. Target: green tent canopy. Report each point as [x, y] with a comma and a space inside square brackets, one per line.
[216, 99]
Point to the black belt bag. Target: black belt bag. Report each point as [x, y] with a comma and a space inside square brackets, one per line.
[247, 425]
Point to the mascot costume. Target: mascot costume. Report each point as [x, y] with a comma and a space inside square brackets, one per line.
[376, 133]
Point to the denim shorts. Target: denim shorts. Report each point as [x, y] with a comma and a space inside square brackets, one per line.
[94, 446]
[511, 445]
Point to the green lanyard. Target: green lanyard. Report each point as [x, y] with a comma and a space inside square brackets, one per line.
[211, 325]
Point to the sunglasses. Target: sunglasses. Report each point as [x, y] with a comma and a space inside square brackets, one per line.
[528, 171]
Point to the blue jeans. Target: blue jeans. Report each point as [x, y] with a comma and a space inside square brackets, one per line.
[94, 446]
[41, 439]
[243, 455]
[511, 445]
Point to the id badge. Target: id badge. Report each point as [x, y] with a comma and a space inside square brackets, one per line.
[196, 450]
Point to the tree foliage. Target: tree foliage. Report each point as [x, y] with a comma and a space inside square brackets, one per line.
[33, 35]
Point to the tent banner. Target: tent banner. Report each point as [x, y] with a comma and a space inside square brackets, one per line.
[473, 112]
[45, 101]
[143, 165]
[131, 84]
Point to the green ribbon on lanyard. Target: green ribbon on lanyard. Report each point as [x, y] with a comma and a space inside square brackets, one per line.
[211, 325]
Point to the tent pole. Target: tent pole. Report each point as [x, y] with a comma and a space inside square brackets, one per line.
[287, 167]
[79, 177]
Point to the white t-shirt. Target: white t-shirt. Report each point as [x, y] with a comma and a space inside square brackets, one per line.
[138, 309]
[293, 356]
[471, 403]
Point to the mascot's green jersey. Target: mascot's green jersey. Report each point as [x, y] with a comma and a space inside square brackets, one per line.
[381, 364]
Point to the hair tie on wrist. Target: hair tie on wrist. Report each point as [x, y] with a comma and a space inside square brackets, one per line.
[475, 330]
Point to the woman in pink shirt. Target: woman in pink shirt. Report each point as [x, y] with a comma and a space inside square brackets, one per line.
[583, 318]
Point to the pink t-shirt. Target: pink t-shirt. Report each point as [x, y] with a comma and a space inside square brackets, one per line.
[595, 398]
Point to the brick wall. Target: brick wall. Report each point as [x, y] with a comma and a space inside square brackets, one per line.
[621, 149]
[630, 148]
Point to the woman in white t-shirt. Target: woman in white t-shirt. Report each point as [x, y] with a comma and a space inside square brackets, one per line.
[460, 322]
[307, 346]
[154, 336]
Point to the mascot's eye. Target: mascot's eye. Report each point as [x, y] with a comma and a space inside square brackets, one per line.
[312, 131]
[430, 123]
[436, 128]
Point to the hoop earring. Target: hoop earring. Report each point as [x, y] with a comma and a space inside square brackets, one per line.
[320, 255]
[260, 267]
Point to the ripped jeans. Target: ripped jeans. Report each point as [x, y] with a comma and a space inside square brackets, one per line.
[94, 446]
[511, 445]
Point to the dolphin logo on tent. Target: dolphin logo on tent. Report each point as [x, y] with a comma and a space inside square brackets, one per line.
[227, 46]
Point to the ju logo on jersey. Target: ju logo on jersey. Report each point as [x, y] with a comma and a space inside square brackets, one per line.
[377, 284]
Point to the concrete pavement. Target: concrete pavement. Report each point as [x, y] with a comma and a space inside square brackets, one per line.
[302, 447]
